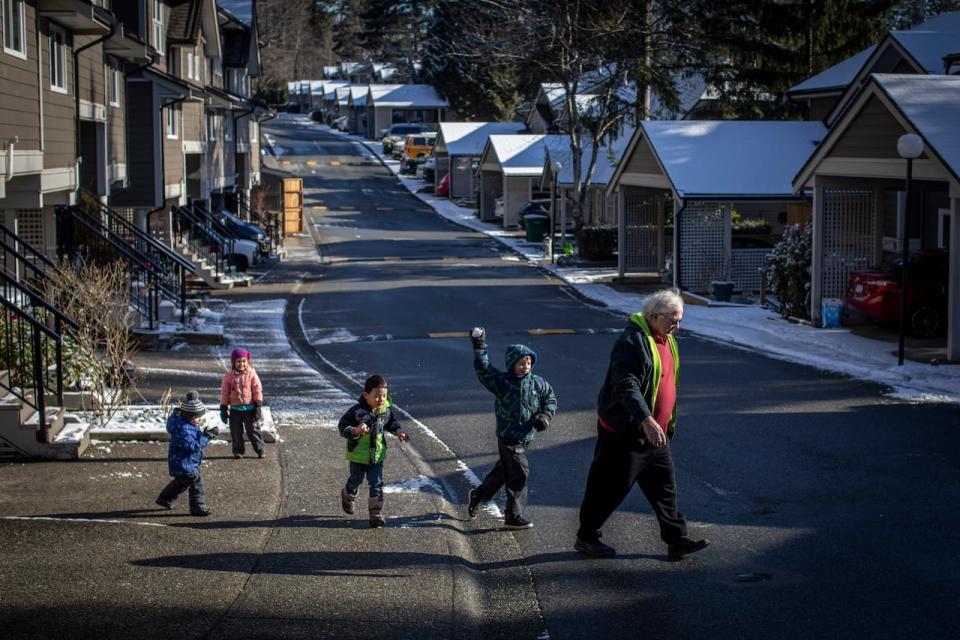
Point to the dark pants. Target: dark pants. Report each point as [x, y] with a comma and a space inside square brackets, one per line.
[241, 421]
[618, 463]
[374, 475]
[511, 471]
[179, 484]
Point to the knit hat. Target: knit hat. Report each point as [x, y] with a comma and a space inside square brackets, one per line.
[240, 352]
[191, 406]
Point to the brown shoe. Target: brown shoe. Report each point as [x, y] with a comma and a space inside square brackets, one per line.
[683, 546]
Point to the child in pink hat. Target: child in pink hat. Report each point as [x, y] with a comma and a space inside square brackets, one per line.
[241, 397]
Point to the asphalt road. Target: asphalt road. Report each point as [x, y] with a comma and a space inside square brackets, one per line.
[830, 509]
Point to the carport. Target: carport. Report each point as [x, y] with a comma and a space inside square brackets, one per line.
[701, 171]
[511, 165]
[858, 183]
[458, 149]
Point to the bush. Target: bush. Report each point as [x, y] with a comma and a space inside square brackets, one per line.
[787, 271]
[596, 242]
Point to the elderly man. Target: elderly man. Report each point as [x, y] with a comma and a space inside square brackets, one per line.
[636, 418]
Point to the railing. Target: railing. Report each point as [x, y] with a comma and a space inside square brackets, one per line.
[173, 266]
[31, 347]
[269, 222]
[24, 263]
[85, 239]
[193, 230]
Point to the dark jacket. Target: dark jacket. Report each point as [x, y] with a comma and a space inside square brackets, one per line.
[629, 391]
[518, 400]
[359, 448]
[187, 443]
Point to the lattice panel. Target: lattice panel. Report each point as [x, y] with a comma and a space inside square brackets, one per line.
[641, 230]
[745, 267]
[849, 237]
[30, 227]
[704, 244]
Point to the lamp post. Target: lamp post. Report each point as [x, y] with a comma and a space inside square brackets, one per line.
[553, 209]
[909, 146]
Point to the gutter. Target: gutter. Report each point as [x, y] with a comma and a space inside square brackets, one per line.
[76, 94]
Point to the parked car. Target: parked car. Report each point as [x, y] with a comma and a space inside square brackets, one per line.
[498, 208]
[427, 169]
[340, 123]
[875, 293]
[246, 231]
[398, 133]
[419, 145]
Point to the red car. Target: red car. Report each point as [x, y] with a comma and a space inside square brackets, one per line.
[875, 293]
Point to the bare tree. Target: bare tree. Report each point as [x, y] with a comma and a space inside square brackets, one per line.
[99, 353]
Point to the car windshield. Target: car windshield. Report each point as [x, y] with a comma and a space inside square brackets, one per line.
[405, 129]
[231, 217]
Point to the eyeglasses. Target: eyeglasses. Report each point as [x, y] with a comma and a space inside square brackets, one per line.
[673, 322]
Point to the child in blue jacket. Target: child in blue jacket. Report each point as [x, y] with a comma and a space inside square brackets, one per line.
[525, 404]
[185, 454]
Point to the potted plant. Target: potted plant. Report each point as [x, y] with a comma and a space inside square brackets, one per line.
[722, 286]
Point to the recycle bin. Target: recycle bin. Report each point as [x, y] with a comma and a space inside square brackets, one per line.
[830, 309]
[536, 227]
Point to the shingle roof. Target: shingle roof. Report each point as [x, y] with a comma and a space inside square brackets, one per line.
[469, 138]
[184, 19]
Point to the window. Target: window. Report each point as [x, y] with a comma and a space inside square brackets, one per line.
[227, 130]
[174, 62]
[198, 67]
[157, 35]
[173, 118]
[14, 28]
[217, 67]
[113, 87]
[190, 65]
[58, 61]
[212, 128]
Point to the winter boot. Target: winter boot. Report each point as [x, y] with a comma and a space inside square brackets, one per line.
[376, 517]
[347, 501]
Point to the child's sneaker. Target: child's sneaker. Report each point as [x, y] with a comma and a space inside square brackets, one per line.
[200, 513]
[377, 521]
[165, 505]
[473, 503]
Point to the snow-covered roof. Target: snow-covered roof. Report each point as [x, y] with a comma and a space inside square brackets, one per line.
[343, 94]
[358, 94]
[926, 43]
[524, 154]
[406, 96]
[732, 158]
[329, 72]
[329, 90]
[608, 157]
[316, 87]
[930, 103]
[469, 138]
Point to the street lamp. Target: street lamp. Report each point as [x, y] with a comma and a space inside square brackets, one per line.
[909, 146]
[553, 209]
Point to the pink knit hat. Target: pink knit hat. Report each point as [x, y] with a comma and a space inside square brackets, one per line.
[240, 352]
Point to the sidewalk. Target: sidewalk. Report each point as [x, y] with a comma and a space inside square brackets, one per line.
[89, 554]
[743, 326]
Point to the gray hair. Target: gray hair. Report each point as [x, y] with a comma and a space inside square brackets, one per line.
[661, 302]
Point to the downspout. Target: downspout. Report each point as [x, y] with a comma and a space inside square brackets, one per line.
[76, 95]
[237, 140]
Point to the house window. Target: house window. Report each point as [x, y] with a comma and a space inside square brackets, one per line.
[191, 66]
[217, 67]
[58, 61]
[174, 62]
[212, 128]
[227, 130]
[113, 87]
[156, 33]
[14, 28]
[173, 118]
[198, 67]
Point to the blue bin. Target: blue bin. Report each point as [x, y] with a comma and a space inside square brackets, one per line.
[830, 309]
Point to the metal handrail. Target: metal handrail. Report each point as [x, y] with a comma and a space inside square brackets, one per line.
[270, 226]
[139, 265]
[200, 238]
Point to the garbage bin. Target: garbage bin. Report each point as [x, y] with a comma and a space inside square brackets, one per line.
[830, 310]
[536, 227]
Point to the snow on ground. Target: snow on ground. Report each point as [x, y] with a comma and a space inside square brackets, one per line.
[750, 327]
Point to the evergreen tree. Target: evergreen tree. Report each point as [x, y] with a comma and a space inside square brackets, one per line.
[395, 31]
[347, 28]
[759, 49]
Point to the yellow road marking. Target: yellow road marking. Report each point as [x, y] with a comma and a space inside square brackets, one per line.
[391, 258]
[334, 163]
[347, 207]
[336, 260]
[546, 332]
[320, 207]
[384, 209]
[312, 163]
[449, 257]
[450, 334]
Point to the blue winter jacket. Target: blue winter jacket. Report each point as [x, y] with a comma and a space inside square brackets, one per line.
[187, 443]
[518, 399]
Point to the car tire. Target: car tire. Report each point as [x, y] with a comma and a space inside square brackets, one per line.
[925, 321]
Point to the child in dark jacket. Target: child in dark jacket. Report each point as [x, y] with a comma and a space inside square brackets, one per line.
[525, 404]
[185, 454]
[241, 396]
[364, 425]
